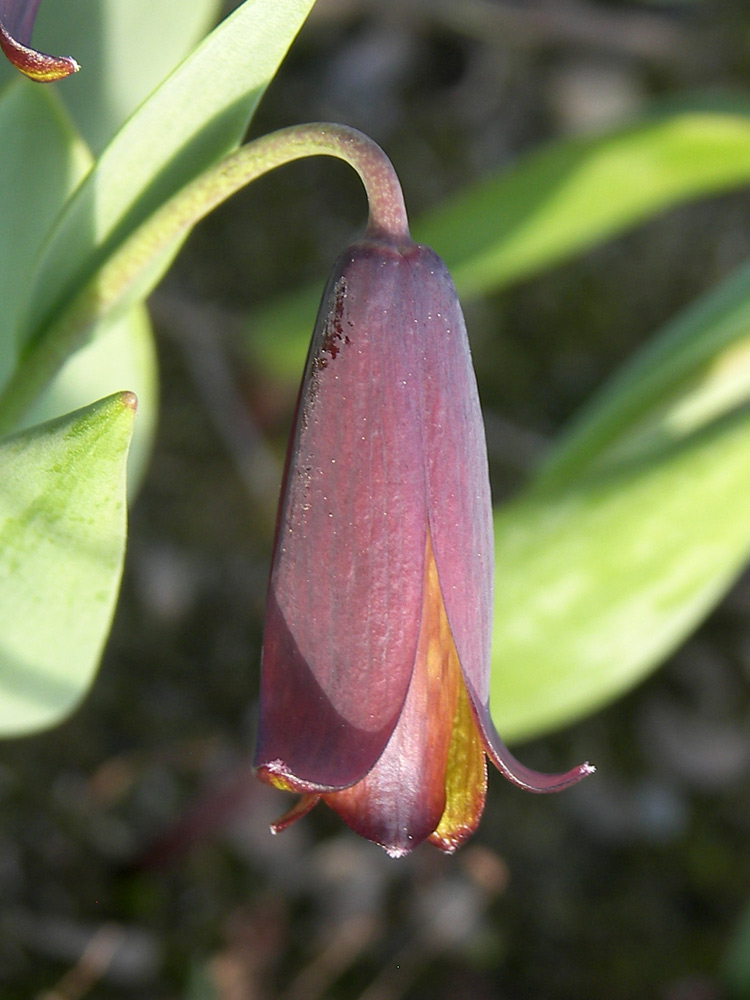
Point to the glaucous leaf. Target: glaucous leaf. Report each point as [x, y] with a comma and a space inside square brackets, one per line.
[126, 48]
[41, 166]
[62, 541]
[695, 370]
[41, 161]
[198, 113]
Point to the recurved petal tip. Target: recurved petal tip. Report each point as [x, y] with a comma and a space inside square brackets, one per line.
[301, 808]
[516, 772]
[16, 21]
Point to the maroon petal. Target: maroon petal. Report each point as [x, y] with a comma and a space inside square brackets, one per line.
[400, 802]
[345, 594]
[458, 486]
[16, 24]
[516, 772]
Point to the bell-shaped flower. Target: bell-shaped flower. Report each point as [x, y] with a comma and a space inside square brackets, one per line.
[376, 652]
[16, 25]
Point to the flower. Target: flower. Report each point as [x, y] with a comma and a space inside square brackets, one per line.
[16, 24]
[375, 667]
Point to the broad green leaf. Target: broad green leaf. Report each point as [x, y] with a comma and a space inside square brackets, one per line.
[634, 529]
[62, 540]
[41, 161]
[554, 203]
[125, 48]
[198, 113]
[597, 584]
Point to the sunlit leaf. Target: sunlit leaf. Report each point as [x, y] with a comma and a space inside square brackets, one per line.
[40, 167]
[125, 50]
[636, 528]
[695, 370]
[62, 540]
[563, 199]
[196, 115]
[41, 161]
[120, 355]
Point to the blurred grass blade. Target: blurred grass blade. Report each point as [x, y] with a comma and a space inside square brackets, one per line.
[41, 161]
[195, 116]
[62, 540]
[550, 206]
[695, 370]
[634, 529]
[125, 50]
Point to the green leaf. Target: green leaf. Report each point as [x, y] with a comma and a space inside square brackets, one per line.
[40, 167]
[551, 205]
[635, 527]
[41, 161]
[695, 370]
[62, 540]
[196, 115]
[562, 200]
[595, 586]
[125, 48]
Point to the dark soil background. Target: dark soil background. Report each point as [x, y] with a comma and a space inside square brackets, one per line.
[135, 857]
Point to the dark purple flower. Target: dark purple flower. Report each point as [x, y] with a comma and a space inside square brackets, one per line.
[376, 653]
[16, 24]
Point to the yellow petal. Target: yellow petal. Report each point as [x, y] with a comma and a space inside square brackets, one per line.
[465, 779]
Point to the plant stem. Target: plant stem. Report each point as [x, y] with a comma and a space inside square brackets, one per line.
[129, 268]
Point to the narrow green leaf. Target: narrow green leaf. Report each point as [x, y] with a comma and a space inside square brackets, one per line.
[62, 540]
[697, 368]
[559, 201]
[196, 115]
[41, 161]
[125, 48]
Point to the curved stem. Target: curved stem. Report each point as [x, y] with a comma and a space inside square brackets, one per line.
[129, 264]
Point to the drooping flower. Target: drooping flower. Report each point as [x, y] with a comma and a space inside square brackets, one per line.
[376, 652]
[16, 24]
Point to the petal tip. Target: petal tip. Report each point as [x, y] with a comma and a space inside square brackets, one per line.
[37, 66]
[396, 852]
[301, 808]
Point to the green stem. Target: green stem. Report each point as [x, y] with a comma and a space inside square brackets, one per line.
[131, 261]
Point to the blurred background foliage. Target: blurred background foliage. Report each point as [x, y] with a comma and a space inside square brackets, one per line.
[135, 859]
